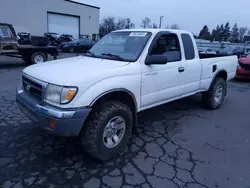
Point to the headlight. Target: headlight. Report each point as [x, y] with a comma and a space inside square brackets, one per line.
[59, 95]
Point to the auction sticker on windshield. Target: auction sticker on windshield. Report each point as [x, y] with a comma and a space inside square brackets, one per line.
[138, 34]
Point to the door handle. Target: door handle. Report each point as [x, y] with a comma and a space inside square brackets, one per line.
[181, 69]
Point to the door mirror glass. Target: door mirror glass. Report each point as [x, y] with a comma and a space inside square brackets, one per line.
[156, 60]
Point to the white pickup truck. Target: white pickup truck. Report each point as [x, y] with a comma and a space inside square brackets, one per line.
[97, 96]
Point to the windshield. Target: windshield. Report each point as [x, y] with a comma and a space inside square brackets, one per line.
[127, 45]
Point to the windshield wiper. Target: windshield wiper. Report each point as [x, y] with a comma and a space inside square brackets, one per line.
[91, 53]
[115, 56]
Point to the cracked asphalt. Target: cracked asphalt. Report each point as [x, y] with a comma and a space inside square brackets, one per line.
[178, 145]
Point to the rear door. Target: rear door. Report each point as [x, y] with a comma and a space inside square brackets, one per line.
[192, 65]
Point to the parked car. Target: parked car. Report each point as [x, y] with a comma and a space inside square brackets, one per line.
[227, 51]
[85, 37]
[53, 38]
[97, 96]
[81, 45]
[243, 69]
[206, 51]
[65, 38]
[239, 52]
[24, 38]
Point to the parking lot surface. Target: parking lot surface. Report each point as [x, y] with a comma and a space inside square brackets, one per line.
[178, 145]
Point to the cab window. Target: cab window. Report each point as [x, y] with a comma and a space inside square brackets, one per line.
[188, 46]
[169, 46]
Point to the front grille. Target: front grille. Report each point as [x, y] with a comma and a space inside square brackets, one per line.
[245, 66]
[32, 87]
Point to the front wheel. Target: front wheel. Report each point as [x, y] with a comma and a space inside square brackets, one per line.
[108, 130]
[214, 97]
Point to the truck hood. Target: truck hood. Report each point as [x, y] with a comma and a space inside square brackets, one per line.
[61, 71]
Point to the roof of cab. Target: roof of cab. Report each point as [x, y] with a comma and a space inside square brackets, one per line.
[155, 30]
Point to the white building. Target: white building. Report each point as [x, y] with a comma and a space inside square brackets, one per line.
[59, 16]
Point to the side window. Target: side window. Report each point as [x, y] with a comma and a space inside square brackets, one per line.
[169, 46]
[5, 31]
[188, 46]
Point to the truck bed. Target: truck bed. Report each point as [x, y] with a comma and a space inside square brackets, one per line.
[211, 65]
[205, 56]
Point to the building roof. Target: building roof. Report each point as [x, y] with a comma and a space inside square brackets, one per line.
[71, 1]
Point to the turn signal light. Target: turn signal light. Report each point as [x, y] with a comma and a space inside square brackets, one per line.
[70, 94]
[51, 124]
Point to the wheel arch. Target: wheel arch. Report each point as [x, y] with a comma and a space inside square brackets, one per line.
[220, 74]
[121, 95]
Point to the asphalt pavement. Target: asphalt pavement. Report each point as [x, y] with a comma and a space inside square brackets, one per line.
[178, 145]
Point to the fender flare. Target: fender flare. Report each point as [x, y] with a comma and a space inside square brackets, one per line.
[135, 118]
[115, 90]
[215, 76]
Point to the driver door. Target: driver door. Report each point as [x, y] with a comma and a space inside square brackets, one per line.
[161, 83]
[8, 42]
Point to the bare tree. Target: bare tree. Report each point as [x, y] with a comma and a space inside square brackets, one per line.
[129, 24]
[154, 26]
[146, 23]
[107, 25]
[111, 23]
[242, 32]
[121, 23]
[173, 26]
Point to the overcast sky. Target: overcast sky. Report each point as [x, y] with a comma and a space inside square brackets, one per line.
[188, 14]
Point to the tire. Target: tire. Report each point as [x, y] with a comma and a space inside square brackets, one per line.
[71, 49]
[38, 57]
[209, 98]
[92, 138]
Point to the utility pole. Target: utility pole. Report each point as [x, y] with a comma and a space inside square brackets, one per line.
[160, 21]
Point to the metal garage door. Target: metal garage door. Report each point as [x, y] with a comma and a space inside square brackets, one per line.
[64, 24]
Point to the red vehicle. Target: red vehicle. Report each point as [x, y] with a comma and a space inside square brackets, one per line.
[243, 69]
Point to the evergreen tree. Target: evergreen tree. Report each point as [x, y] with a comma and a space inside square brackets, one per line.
[235, 34]
[226, 32]
[204, 33]
[221, 33]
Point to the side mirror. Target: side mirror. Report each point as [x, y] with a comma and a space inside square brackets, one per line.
[156, 60]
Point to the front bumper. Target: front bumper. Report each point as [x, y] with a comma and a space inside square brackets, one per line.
[58, 121]
[242, 73]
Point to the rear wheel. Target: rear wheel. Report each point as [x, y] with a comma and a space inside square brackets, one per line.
[215, 96]
[71, 49]
[38, 57]
[108, 130]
